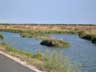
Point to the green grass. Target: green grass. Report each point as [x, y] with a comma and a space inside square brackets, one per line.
[14, 50]
[51, 62]
[39, 56]
[88, 36]
[57, 62]
[26, 35]
[21, 52]
[34, 35]
[40, 31]
[1, 36]
[11, 30]
[59, 32]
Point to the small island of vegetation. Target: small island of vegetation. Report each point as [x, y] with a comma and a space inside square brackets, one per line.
[55, 43]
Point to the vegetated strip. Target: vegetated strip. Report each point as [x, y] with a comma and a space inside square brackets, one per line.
[50, 63]
[20, 62]
[88, 36]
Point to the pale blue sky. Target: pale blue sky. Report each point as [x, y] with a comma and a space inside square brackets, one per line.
[48, 11]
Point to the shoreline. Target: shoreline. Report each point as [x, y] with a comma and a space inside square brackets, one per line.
[24, 63]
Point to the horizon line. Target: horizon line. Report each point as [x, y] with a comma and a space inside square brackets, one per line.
[50, 23]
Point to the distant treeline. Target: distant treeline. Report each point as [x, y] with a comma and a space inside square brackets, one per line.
[51, 24]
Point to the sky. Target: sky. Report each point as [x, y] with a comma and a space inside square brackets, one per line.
[48, 11]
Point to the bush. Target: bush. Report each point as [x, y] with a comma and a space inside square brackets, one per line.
[55, 43]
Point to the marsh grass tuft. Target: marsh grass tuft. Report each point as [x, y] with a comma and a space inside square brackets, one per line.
[1, 36]
[59, 63]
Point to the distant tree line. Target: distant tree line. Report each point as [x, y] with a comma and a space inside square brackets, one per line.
[50, 24]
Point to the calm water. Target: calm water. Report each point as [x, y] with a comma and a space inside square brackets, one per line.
[82, 51]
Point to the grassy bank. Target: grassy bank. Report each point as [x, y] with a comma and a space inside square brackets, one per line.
[88, 36]
[59, 32]
[52, 62]
[27, 33]
[34, 35]
[40, 31]
[12, 30]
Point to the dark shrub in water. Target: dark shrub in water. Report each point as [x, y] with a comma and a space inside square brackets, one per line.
[54, 43]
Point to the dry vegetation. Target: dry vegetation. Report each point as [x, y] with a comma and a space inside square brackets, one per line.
[47, 27]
